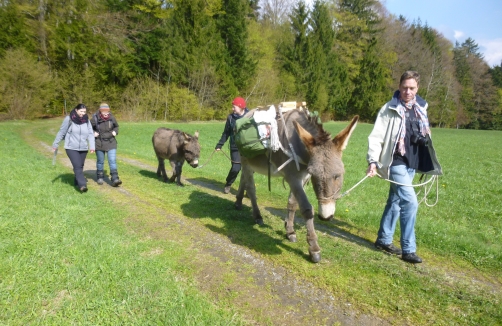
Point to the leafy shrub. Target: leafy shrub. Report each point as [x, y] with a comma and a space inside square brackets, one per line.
[26, 86]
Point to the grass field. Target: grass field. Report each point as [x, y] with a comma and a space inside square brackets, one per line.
[73, 258]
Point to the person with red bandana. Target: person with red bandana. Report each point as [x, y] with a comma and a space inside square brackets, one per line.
[238, 111]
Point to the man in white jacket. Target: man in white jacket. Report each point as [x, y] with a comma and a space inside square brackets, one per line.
[399, 145]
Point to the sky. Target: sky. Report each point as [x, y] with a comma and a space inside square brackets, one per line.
[458, 20]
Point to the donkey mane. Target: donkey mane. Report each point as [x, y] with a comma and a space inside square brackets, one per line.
[314, 127]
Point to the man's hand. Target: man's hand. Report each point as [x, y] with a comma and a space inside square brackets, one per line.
[372, 170]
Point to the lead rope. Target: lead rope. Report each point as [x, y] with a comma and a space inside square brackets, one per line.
[424, 184]
[210, 156]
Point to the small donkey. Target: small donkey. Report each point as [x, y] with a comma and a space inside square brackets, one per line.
[176, 146]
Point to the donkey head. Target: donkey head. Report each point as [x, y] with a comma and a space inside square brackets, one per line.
[325, 164]
[191, 148]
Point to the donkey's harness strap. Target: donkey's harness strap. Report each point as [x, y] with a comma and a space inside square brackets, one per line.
[293, 154]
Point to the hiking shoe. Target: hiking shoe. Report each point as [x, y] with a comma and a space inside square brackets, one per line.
[412, 258]
[226, 190]
[390, 248]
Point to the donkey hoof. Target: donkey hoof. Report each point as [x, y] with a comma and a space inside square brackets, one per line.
[259, 221]
[238, 206]
[315, 257]
[292, 237]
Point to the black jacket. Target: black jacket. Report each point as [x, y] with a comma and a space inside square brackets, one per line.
[105, 141]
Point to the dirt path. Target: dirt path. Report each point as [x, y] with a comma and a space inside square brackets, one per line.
[263, 294]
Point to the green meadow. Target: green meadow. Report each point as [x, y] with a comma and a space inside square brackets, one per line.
[97, 258]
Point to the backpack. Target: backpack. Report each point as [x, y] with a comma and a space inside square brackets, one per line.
[247, 138]
[67, 130]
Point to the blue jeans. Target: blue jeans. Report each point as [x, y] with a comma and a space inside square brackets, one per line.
[112, 159]
[402, 202]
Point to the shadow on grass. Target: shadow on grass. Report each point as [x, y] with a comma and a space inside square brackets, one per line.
[334, 227]
[69, 178]
[66, 178]
[238, 226]
[207, 183]
[150, 174]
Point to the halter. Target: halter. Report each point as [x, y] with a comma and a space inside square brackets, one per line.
[333, 196]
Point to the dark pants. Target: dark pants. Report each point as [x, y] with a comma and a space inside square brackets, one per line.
[235, 169]
[77, 159]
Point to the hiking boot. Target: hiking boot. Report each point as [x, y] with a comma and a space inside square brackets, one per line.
[226, 190]
[115, 178]
[390, 248]
[412, 258]
[99, 177]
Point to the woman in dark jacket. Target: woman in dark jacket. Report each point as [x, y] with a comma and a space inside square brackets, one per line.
[239, 110]
[106, 128]
[76, 130]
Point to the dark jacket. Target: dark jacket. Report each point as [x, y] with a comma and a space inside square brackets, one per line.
[228, 132]
[105, 141]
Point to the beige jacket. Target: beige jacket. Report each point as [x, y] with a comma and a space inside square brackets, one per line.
[382, 140]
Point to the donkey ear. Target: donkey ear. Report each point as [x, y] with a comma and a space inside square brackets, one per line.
[343, 136]
[305, 136]
[186, 138]
[196, 135]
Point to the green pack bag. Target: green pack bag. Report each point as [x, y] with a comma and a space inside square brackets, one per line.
[247, 138]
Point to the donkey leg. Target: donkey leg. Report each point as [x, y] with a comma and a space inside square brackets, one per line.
[159, 170]
[179, 167]
[162, 170]
[289, 222]
[308, 214]
[247, 178]
[240, 193]
[314, 249]
[173, 168]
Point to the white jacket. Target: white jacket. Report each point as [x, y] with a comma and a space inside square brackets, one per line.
[382, 140]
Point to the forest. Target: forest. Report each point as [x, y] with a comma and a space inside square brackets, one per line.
[184, 60]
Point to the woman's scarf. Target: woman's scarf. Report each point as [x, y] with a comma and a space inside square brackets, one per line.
[74, 117]
[102, 117]
[423, 121]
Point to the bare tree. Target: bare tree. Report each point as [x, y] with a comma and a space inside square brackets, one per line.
[276, 11]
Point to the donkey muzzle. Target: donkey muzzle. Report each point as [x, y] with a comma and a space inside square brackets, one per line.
[326, 211]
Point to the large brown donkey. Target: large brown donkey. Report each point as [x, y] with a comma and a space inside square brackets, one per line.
[177, 147]
[320, 160]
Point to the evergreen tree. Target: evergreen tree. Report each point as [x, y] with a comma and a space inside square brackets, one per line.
[295, 55]
[478, 96]
[496, 73]
[14, 32]
[372, 77]
[233, 31]
[370, 91]
[327, 80]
